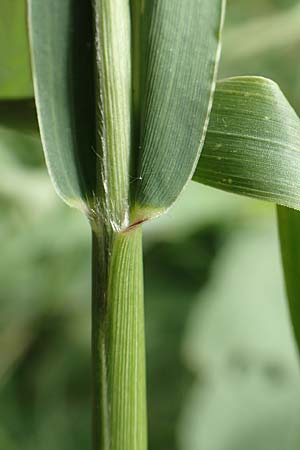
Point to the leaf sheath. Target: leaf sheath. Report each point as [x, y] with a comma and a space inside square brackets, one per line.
[113, 108]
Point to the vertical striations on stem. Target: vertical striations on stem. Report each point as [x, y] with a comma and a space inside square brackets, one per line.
[120, 419]
[118, 315]
[126, 347]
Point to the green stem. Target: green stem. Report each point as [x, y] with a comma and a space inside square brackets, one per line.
[99, 377]
[118, 345]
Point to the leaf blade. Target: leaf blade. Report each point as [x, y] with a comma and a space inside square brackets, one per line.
[288, 227]
[253, 142]
[62, 65]
[173, 124]
[253, 148]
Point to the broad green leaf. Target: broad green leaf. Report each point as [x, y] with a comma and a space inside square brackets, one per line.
[289, 232]
[62, 59]
[253, 148]
[252, 145]
[179, 55]
[85, 114]
[15, 75]
[176, 49]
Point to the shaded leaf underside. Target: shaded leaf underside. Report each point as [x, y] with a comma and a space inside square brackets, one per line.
[63, 82]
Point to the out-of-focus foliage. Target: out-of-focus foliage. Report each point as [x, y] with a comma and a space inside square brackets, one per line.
[15, 76]
[232, 383]
[239, 345]
[45, 304]
[262, 37]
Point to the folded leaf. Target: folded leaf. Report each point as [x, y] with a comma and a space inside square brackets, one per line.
[178, 59]
[85, 114]
[252, 145]
[253, 148]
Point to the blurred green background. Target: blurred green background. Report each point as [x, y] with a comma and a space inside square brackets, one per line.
[223, 372]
